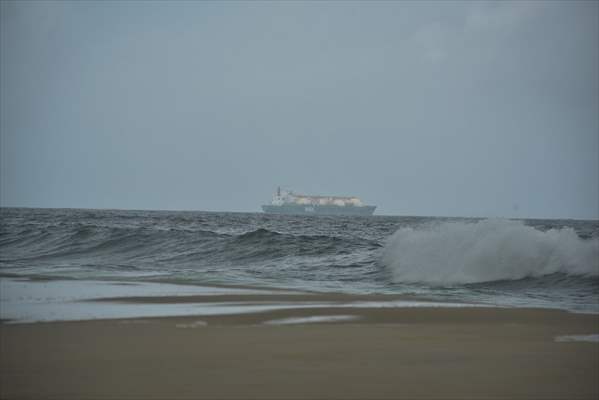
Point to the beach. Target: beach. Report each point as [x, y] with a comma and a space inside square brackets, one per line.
[384, 352]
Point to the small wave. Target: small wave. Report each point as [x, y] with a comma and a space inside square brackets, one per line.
[263, 244]
[61, 241]
[258, 235]
[488, 250]
[264, 235]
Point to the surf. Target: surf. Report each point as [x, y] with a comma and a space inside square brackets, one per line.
[451, 253]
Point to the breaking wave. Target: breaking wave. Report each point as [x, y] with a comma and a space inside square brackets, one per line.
[489, 250]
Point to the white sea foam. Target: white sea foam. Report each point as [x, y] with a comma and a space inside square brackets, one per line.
[578, 338]
[36, 301]
[53, 291]
[192, 325]
[488, 250]
[312, 319]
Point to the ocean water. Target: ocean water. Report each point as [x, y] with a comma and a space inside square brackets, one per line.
[526, 263]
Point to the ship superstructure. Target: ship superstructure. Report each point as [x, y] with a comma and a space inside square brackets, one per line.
[289, 202]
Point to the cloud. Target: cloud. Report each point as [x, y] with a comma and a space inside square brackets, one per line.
[432, 42]
[36, 18]
[488, 16]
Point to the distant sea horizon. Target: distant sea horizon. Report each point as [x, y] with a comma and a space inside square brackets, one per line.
[258, 211]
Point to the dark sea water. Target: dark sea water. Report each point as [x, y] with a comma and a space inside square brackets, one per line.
[538, 263]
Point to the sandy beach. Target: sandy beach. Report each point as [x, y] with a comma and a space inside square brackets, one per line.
[426, 353]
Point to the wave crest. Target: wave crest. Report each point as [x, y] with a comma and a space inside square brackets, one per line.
[488, 250]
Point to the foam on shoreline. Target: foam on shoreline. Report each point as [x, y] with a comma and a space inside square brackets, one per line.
[26, 301]
[578, 338]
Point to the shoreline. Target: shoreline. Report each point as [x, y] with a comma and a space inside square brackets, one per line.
[25, 301]
[379, 353]
[31, 300]
[366, 315]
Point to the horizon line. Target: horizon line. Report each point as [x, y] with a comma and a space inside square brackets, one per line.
[261, 212]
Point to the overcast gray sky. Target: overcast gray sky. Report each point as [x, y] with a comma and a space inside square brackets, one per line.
[440, 108]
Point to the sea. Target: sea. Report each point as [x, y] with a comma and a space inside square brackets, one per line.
[494, 262]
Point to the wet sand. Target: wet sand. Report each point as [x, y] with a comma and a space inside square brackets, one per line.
[383, 353]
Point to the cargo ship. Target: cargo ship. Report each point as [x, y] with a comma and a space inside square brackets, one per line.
[288, 202]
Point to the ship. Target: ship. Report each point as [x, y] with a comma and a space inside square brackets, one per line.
[288, 202]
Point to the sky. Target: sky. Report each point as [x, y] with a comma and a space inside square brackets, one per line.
[440, 108]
